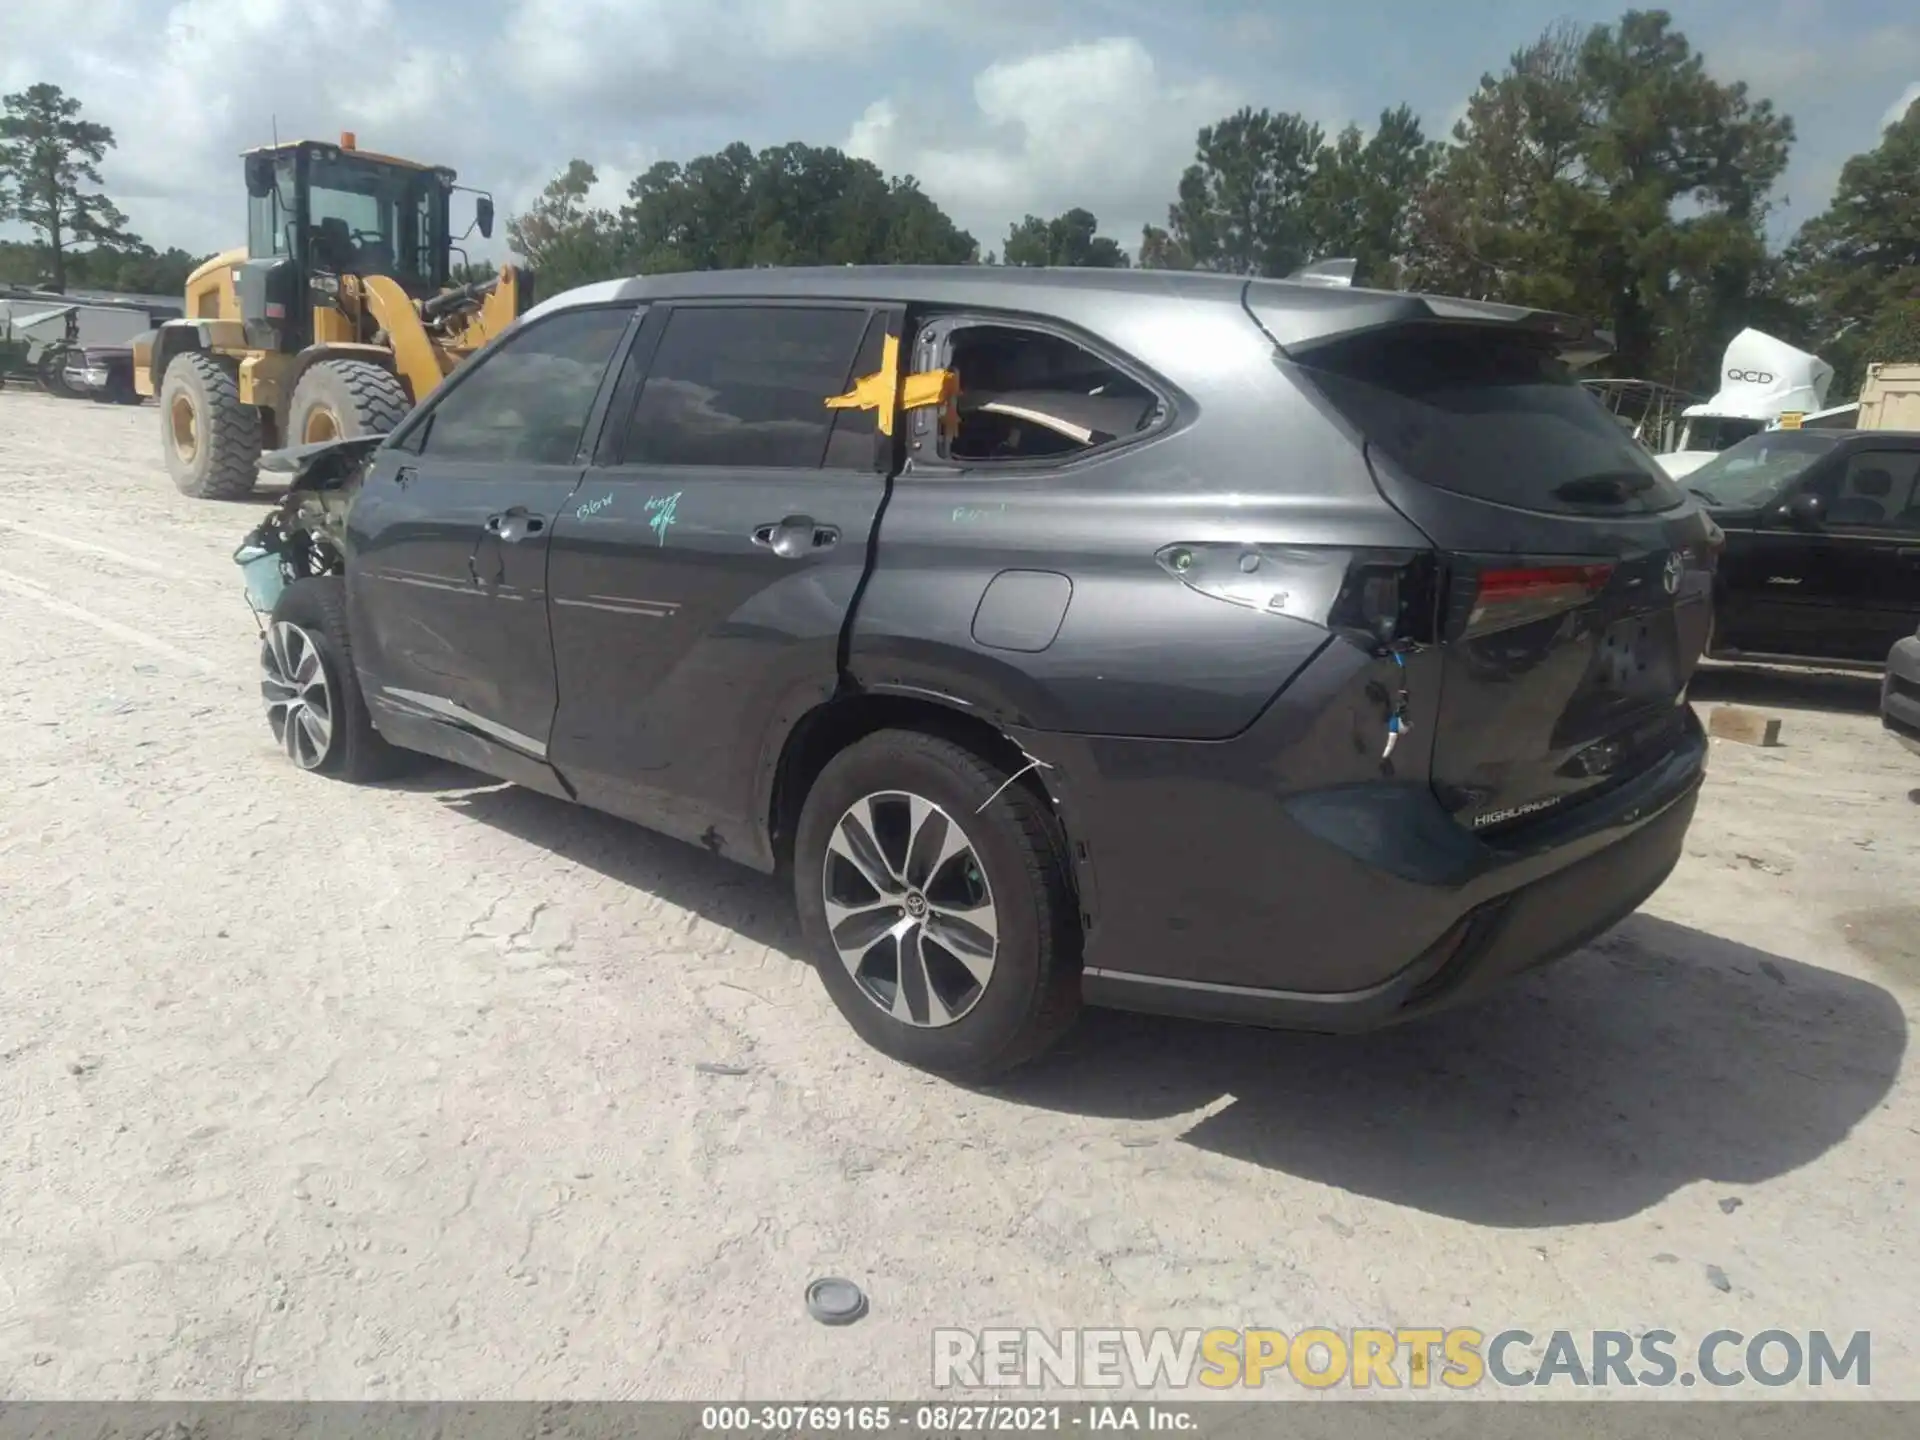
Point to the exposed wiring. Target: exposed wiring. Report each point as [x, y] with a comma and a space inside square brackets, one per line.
[1397, 722]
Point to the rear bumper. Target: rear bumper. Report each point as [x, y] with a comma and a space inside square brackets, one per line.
[1528, 927]
[1214, 890]
[1900, 694]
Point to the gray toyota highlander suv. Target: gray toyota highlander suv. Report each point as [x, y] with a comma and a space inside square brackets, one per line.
[1296, 655]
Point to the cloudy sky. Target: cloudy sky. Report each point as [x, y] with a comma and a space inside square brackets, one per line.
[1000, 107]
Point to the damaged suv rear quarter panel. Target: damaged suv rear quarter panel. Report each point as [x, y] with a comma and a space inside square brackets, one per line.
[1195, 741]
[1265, 464]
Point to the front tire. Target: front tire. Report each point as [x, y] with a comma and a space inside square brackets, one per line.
[934, 899]
[314, 704]
[211, 440]
[345, 399]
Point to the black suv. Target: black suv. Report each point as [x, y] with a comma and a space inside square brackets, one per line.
[1289, 654]
[1822, 557]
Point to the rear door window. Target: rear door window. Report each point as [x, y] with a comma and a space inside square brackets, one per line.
[746, 387]
[1877, 491]
[1495, 417]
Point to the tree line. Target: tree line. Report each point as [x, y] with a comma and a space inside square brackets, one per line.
[1601, 171]
[50, 181]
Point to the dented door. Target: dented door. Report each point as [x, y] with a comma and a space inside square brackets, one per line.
[703, 573]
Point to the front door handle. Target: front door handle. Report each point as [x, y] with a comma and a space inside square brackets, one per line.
[1909, 552]
[405, 476]
[795, 536]
[514, 525]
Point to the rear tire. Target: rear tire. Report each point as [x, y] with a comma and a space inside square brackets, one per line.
[345, 399]
[315, 707]
[964, 958]
[211, 440]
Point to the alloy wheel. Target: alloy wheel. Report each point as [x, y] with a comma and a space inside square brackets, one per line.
[909, 908]
[299, 703]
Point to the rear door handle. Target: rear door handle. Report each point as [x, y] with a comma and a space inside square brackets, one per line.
[405, 476]
[1909, 552]
[795, 536]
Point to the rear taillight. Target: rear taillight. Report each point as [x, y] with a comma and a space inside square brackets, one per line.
[1505, 597]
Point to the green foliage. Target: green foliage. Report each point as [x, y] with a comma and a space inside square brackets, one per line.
[1855, 270]
[1360, 202]
[562, 239]
[1068, 239]
[787, 205]
[1160, 251]
[48, 156]
[131, 269]
[1606, 173]
[1268, 193]
[790, 204]
[470, 272]
[1244, 202]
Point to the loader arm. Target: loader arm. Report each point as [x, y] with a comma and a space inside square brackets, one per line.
[502, 305]
[420, 364]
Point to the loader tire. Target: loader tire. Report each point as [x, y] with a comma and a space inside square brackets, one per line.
[211, 440]
[344, 399]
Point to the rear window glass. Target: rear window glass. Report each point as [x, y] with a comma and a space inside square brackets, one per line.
[746, 386]
[1490, 416]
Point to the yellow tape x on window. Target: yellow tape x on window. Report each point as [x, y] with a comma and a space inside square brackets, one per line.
[878, 391]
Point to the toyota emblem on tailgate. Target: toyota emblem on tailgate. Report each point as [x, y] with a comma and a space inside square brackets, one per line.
[1670, 577]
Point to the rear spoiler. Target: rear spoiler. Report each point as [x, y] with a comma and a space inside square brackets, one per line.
[1304, 313]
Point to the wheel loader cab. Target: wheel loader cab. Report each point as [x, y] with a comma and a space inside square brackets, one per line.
[317, 213]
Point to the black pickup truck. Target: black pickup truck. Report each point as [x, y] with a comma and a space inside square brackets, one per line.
[103, 373]
[1822, 556]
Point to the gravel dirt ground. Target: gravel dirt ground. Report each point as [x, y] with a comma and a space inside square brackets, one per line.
[450, 1090]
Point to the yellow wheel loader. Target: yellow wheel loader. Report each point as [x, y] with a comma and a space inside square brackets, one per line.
[332, 322]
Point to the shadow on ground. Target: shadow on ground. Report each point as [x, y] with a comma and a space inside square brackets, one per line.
[1658, 1057]
[754, 905]
[1763, 685]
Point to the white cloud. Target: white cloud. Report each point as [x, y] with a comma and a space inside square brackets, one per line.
[186, 89]
[1897, 111]
[657, 56]
[1093, 124]
[1827, 80]
[506, 91]
[603, 50]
